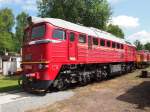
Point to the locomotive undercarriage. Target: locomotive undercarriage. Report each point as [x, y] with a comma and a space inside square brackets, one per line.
[81, 74]
[141, 65]
[84, 74]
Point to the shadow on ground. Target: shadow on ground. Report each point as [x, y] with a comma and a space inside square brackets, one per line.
[9, 88]
[138, 95]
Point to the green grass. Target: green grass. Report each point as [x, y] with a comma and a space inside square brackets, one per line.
[8, 83]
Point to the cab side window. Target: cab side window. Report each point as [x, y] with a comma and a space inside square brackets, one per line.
[59, 34]
[82, 38]
[108, 44]
[72, 37]
[95, 41]
[118, 46]
[102, 42]
[121, 46]
[113, 45]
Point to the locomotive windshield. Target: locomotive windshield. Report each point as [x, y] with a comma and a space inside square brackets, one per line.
[38, 31]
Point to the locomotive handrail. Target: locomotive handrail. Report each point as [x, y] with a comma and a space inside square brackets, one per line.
[44, 62]
[43, 41]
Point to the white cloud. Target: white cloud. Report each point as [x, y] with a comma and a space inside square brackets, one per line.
[125, 21]
[10, 1]
[143, 36]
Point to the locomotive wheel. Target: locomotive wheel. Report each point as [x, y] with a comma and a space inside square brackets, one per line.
[83, 80]
[88, 79]
[128, 69]
[123, 70]
[98, 76]
[132, 69]
[61, 85]
[104, 74]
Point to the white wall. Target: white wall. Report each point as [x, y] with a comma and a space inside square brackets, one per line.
[9, 66]
[1, 63]
[12, 65]
[18, 60]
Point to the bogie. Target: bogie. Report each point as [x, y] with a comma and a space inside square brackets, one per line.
[82, 75]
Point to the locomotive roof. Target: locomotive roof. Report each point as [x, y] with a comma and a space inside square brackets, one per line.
[79, 28]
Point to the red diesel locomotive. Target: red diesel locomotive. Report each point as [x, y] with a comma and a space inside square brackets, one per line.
[143, 59]
[57, 53]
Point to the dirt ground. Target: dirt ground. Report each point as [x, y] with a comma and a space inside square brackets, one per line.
[127, 93]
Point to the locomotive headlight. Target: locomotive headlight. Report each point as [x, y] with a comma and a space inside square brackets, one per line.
[43, 66]
[40, 66]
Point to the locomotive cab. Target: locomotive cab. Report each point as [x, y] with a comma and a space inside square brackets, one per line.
[35, 59]
[45, 48]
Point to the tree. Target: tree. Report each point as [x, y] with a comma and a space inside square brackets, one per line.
[63, 9]
[6, 20]
[6, 42]
[138, 45]
[93, 13]
[21, 22]
[97, 13]
[6, 24]
[147, 46]
[115, 30]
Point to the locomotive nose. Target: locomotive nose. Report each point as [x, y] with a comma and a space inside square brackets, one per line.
[41, 84]
[29, 84]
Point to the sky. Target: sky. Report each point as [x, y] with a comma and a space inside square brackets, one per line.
[131, 15]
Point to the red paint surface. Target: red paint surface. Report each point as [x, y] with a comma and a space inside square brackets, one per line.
[67, 52]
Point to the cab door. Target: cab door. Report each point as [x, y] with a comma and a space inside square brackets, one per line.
[72, 53]
[89, 57]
